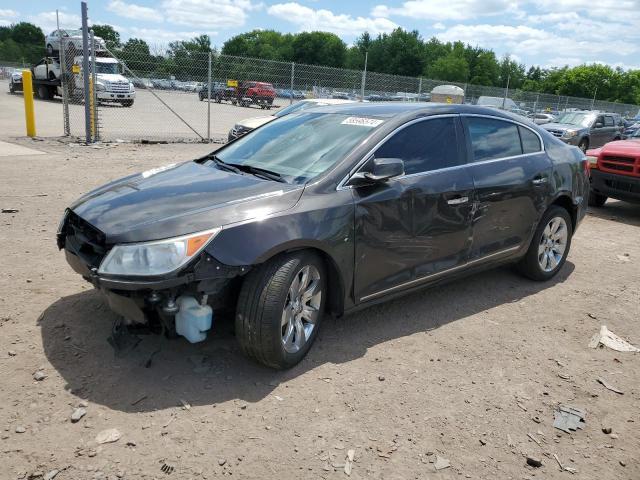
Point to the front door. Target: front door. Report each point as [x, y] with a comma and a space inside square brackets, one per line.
[418, 224]
[511, 175]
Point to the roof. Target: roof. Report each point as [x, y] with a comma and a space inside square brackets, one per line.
[328, 101]
[447, 90]
[399, 109]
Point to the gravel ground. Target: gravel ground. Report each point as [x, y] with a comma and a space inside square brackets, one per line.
[462, 372]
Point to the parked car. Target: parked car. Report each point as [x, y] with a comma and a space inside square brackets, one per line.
[586, 129]
[248, 124]
[542, 118]
[615, 171]
[497, 102]
[219, 92]
[630, 127]
[15, 82]
[70, 39]
[327, 211]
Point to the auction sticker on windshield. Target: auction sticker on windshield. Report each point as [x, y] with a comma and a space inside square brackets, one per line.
[362, 121]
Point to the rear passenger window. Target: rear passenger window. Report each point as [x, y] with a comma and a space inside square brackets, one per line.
[492, 138]
[424, 146]
[608, 121]
[530, 141]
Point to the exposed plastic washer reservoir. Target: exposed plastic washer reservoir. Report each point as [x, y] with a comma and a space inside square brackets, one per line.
[193, 320]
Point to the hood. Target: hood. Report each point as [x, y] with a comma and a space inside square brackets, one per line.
[561, 126]
[255, 122]
[178, 199]
[622, 147]
[111, 77]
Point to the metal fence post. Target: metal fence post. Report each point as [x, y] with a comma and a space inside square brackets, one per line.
[209, 100]
[85, 72]
[94, 92]
[64, 79]
[364, 75]
[419, 85]
[293, 69]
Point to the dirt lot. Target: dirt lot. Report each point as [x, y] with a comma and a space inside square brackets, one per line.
[463, 371]
[148, 118]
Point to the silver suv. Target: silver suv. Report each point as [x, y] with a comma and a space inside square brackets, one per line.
[586, 129]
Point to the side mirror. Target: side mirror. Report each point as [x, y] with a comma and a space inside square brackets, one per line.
[382, 169]
[598, 125]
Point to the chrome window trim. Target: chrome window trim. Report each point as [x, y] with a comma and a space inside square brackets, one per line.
[369, 154]
[417, 281]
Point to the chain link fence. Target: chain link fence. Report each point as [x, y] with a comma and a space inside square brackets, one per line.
[136, 95]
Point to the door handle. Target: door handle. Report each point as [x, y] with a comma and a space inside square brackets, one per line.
[540, 180]
[458, 201]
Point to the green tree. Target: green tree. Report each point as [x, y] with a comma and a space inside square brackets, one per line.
[486, 70]
[264, 44]
[512, 71]
[108, 34]
[452, 67]
[319, 48]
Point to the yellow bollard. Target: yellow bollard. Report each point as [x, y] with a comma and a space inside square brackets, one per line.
[27, 90]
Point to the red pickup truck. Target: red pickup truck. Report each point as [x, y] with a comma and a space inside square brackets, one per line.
[615, 171]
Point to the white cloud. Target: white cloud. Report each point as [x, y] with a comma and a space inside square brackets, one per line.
[439, 26]
[47, 20]
[308, 19]
[526, 40]
[7, 16]
[208, 13]
[159, 38]
[136, 12]
[447, 9]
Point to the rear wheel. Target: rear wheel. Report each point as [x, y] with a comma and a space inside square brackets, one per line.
[280, 307]
[596, 199]
[549, 247]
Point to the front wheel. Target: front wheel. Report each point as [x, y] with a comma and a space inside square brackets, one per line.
[280, 307]
[583, 145]
[127, 103]
[549, 247]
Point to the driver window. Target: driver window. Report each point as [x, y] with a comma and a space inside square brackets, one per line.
[608, 121]
[600, 120]
[424, 146]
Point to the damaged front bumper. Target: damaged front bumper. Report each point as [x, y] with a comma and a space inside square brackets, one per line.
[154, 301]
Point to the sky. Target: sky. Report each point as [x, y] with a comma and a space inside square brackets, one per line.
[547, 33]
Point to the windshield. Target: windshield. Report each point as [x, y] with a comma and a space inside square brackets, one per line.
[577, 119]
[297, 107]
[102, 67]
[72, 33]
[299, 146]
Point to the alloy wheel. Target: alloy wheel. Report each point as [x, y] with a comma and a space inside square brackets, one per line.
[301, 308]
[553, 243]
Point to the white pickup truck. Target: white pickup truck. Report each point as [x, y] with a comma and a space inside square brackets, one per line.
[111, 85]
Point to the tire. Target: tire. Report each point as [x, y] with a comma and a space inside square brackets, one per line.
[11, 88]
[265, 301]
[52, 76]
[127, 103]
[542, 246]
[201, 98]
[584, 145]
[596, 199]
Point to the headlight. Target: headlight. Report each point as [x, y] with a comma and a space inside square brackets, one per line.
[155, 258]
[570, 133]
[131, 87]
[592, 160]
[100, 87]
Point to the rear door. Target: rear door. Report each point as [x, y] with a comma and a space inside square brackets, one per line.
[511, 175]
[418, 224]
